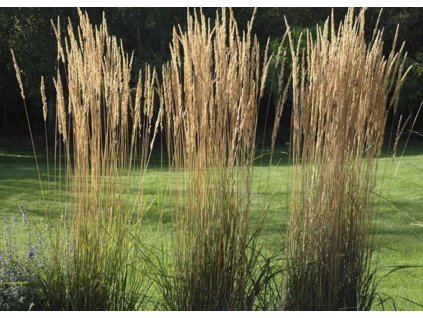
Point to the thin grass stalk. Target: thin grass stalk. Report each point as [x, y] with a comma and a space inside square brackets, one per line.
[21, 87]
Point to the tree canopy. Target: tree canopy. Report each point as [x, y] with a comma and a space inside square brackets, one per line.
[147, 33]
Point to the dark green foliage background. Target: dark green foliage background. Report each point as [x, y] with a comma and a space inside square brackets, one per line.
[147, 32]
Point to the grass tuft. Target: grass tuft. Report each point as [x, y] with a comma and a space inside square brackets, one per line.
[342, 88]
[210, 93]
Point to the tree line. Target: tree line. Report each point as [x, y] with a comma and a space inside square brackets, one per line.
[147, 32]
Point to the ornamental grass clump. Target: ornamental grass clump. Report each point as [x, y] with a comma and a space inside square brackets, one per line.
[343, 90]
[103, 141]
[210, 95]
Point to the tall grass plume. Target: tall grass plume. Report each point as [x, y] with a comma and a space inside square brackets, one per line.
[103, 141]
[343, 90]
[210, 93]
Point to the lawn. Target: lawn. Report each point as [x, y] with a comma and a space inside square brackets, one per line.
[398, 217]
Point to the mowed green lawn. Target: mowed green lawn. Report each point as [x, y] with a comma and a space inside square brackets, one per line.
[398, 212]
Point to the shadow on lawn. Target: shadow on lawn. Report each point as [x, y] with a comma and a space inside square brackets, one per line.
[18, 177]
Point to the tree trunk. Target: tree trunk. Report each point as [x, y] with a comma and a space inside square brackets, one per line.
[5, 123]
